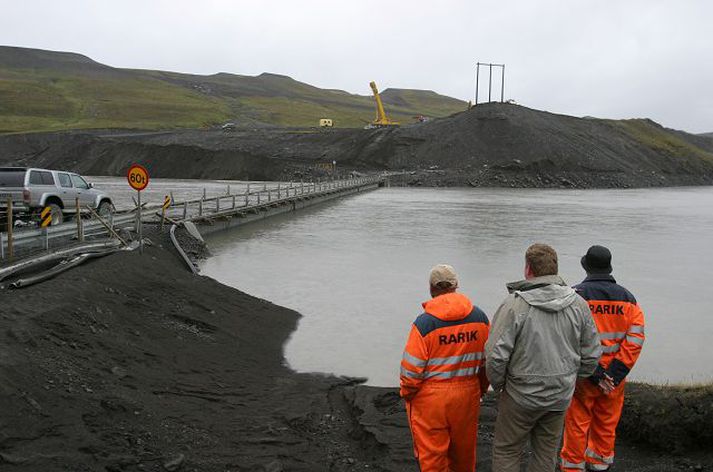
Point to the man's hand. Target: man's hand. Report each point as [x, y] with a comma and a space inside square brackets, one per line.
[606, 384]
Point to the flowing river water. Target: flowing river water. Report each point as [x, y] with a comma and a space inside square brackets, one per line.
[357, 268]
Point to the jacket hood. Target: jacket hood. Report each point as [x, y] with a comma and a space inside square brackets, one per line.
[449, 306]
[548, 293]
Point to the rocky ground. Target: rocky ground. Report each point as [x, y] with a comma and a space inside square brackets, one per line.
[491, 145]
[130, 363]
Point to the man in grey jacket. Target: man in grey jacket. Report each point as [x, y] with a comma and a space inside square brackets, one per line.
[542, 339]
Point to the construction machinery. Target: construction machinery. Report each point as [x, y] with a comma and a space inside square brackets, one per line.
[381, 121]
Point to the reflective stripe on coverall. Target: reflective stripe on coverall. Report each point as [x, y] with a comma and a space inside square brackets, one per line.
[590, 424]
[442, 381]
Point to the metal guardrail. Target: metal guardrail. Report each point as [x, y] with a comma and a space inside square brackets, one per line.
[200, 208]
[27, 240]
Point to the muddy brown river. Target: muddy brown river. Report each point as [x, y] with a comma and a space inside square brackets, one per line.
[357, 268]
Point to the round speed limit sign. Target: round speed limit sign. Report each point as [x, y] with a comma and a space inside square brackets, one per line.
[138, 177]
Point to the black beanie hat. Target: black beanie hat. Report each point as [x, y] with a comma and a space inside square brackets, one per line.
[597, 260]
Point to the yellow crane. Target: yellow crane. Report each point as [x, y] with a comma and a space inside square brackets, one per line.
[381, 120]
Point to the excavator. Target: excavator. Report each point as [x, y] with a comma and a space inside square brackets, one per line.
[381, 121]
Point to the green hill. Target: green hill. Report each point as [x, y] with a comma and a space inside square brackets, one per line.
[46, 90]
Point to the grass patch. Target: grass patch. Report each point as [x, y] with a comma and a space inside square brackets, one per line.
[673, 418]
[655, 137]
[31, 101]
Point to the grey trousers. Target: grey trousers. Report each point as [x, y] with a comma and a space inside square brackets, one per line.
[514, 426]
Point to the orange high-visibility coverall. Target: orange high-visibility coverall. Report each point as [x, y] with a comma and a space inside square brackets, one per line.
[590, 424]
[442, 381]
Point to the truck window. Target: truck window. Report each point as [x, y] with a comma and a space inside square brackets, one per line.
[12, 178]
[79, 182]
[64, 180]
[40, 177]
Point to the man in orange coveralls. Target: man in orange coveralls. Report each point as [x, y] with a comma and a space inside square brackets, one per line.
[443, 376]
[590, 424]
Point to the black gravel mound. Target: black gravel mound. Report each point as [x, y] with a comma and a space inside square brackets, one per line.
[495, 144]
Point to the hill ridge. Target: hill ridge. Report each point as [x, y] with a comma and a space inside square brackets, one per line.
[42, 90]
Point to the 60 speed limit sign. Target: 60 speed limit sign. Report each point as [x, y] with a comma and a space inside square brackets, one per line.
[138, 177]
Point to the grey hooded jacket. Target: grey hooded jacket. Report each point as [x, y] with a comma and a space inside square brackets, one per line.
[542, 338]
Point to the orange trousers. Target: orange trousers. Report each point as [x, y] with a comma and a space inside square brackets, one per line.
[590, 428]
[443, 417]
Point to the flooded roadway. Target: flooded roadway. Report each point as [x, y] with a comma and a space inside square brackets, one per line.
[357, 268]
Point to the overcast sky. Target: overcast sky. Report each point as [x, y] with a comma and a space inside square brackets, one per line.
[612, 59]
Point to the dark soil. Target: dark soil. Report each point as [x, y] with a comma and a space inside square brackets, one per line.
[130, 363]
[495, 144]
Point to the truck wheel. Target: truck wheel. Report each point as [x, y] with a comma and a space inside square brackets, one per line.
[105, 208]
[57, 216]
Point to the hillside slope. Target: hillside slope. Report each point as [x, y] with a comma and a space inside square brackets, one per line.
[46, 90]
[489, 145]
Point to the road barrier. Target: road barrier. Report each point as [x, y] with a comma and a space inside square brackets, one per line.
[253, 202]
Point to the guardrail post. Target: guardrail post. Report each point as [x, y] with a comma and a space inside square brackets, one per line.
[247, 196]
[203, 193]
[278, 192]
[258, 197]
[217, 204]
[200, 207]
[269, 195]
[228, 190]
[185, 210]
[233, 202]
[80, 233]
[10, 249]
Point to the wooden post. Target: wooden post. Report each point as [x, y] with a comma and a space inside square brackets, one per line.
[109, 226]
[80, 232]
[278, 192]
[10, 249]
[217, 204]
[163, 214]
[233, 202]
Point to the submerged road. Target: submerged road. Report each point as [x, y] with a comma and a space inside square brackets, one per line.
[182, 189]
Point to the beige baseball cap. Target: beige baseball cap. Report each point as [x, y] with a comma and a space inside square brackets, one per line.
[443, 276]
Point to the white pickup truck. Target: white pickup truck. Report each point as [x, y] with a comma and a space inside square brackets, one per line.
[32, 189]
